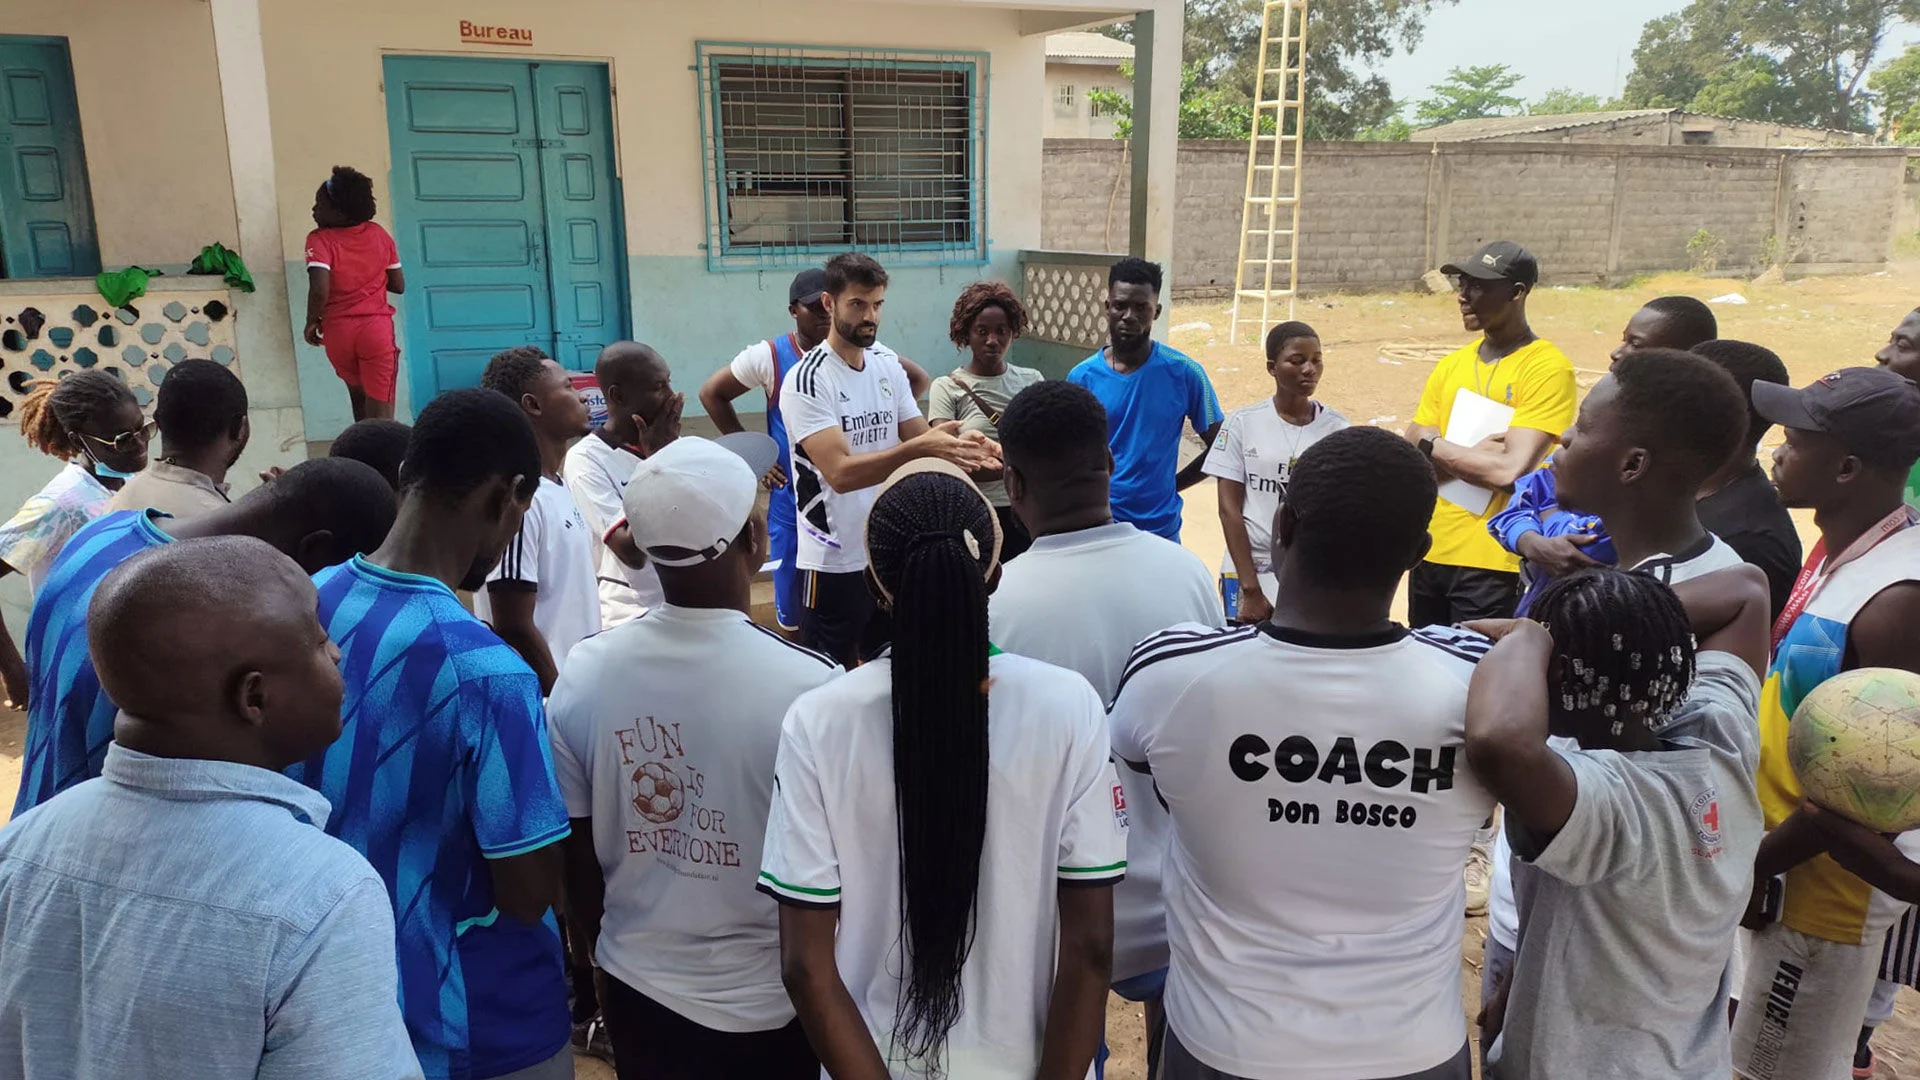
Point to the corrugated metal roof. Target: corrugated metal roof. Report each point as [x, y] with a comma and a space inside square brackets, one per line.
[1495, 126]
[1086, 45]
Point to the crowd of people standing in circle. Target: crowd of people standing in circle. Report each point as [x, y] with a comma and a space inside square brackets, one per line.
[458, 751]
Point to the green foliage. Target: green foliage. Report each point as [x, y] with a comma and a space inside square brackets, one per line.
[1394, 129]
[1470, 93]
[1897, 86]
[1205, 112]
[1706, 250]
[1346, 41]
[1754, 87]
[1789, 61]
[1563, 101]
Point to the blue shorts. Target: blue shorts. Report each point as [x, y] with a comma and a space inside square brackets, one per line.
[783, 544]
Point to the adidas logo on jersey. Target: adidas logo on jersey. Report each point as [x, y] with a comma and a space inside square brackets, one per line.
[844, 397]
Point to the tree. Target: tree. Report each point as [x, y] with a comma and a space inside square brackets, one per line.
[1795, 61]
[1346, 39]
[1204, 113]
[1563, 101]
[1897, 86]
[1754, 87]
[1470, 93]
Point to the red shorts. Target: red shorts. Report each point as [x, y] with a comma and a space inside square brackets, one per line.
[362, 352]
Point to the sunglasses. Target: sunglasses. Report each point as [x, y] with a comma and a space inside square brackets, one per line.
[127, 441]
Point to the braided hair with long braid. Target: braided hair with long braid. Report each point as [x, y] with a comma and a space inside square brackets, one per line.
[932, 545]
[1622, 645]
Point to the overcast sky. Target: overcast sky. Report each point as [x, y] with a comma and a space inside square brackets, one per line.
[1583, 44]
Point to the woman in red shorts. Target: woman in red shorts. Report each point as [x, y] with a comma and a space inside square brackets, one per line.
[352, 265]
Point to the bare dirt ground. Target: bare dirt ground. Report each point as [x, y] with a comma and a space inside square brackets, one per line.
[1816, 325]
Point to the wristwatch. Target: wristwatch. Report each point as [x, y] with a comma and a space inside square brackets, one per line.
[1426, 448]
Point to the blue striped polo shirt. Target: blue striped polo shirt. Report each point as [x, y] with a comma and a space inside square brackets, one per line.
[69, 718]
[443, 763]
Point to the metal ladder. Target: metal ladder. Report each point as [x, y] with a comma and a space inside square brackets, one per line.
[1268, 270]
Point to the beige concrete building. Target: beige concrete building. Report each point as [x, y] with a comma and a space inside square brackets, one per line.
[1639, 127]
[561, 174]
[1077, 62]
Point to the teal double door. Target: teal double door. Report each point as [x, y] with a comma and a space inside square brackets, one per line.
[507, 213]
[46, 210]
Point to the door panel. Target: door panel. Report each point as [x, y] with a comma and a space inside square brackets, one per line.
[46, 207]
[467, 215]
[575, 112]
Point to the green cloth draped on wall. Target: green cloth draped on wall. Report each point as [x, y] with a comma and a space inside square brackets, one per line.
[122, 287]
[216, 259]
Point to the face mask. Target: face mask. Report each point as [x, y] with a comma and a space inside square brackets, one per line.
[102, 469]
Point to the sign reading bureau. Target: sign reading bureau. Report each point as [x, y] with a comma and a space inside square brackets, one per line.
[483, 34]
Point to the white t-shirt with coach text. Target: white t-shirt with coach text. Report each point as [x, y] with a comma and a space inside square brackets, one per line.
[1257, 448]
[1053, 817]
[658, 739]
[598, 474]
[1083, 600]
[1503, 913]
[553, 553]
[868, 406]
[1322, 809]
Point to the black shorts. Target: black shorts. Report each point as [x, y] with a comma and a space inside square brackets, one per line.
[652, 1042]
[839, 617]
[1444, 595]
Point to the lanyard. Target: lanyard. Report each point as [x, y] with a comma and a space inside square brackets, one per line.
[1819, 567]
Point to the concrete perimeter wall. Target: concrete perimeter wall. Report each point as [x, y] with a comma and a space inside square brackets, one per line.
[1379, 215]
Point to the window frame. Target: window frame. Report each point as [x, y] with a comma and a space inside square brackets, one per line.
[723, 254]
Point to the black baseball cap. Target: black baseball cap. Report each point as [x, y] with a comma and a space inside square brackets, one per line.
[1873, 412]
[807, 286]
[1502, 260]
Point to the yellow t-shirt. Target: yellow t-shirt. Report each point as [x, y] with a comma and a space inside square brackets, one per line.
[1537, 380]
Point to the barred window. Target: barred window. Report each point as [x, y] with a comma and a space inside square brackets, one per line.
[809, 153]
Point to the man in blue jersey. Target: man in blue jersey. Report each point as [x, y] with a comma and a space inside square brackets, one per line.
[319, 513]
[1150, 391]
[442, 775]
[764, 366]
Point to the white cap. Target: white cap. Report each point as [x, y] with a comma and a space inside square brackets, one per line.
[693, 496]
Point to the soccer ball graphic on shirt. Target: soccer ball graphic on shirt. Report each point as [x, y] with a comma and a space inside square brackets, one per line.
[658, 792]
[1854, 744]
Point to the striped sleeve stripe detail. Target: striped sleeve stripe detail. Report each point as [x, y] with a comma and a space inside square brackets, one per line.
[797, 895]
[1169, 644]
[1464, 644]
[1092, 875]
[820, 656]
[808, 372]
[513, 563]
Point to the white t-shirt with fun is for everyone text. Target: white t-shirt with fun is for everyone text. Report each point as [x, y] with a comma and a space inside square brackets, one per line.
[1054, 817]
[868, 406]
[659, 740]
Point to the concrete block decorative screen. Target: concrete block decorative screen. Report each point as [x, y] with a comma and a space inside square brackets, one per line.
[809, 152]
[52, 334]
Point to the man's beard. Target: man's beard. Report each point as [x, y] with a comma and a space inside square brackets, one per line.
[862, 335]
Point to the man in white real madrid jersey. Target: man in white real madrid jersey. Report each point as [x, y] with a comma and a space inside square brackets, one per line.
[1322, 805]
[851, 421]
[665, 758]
